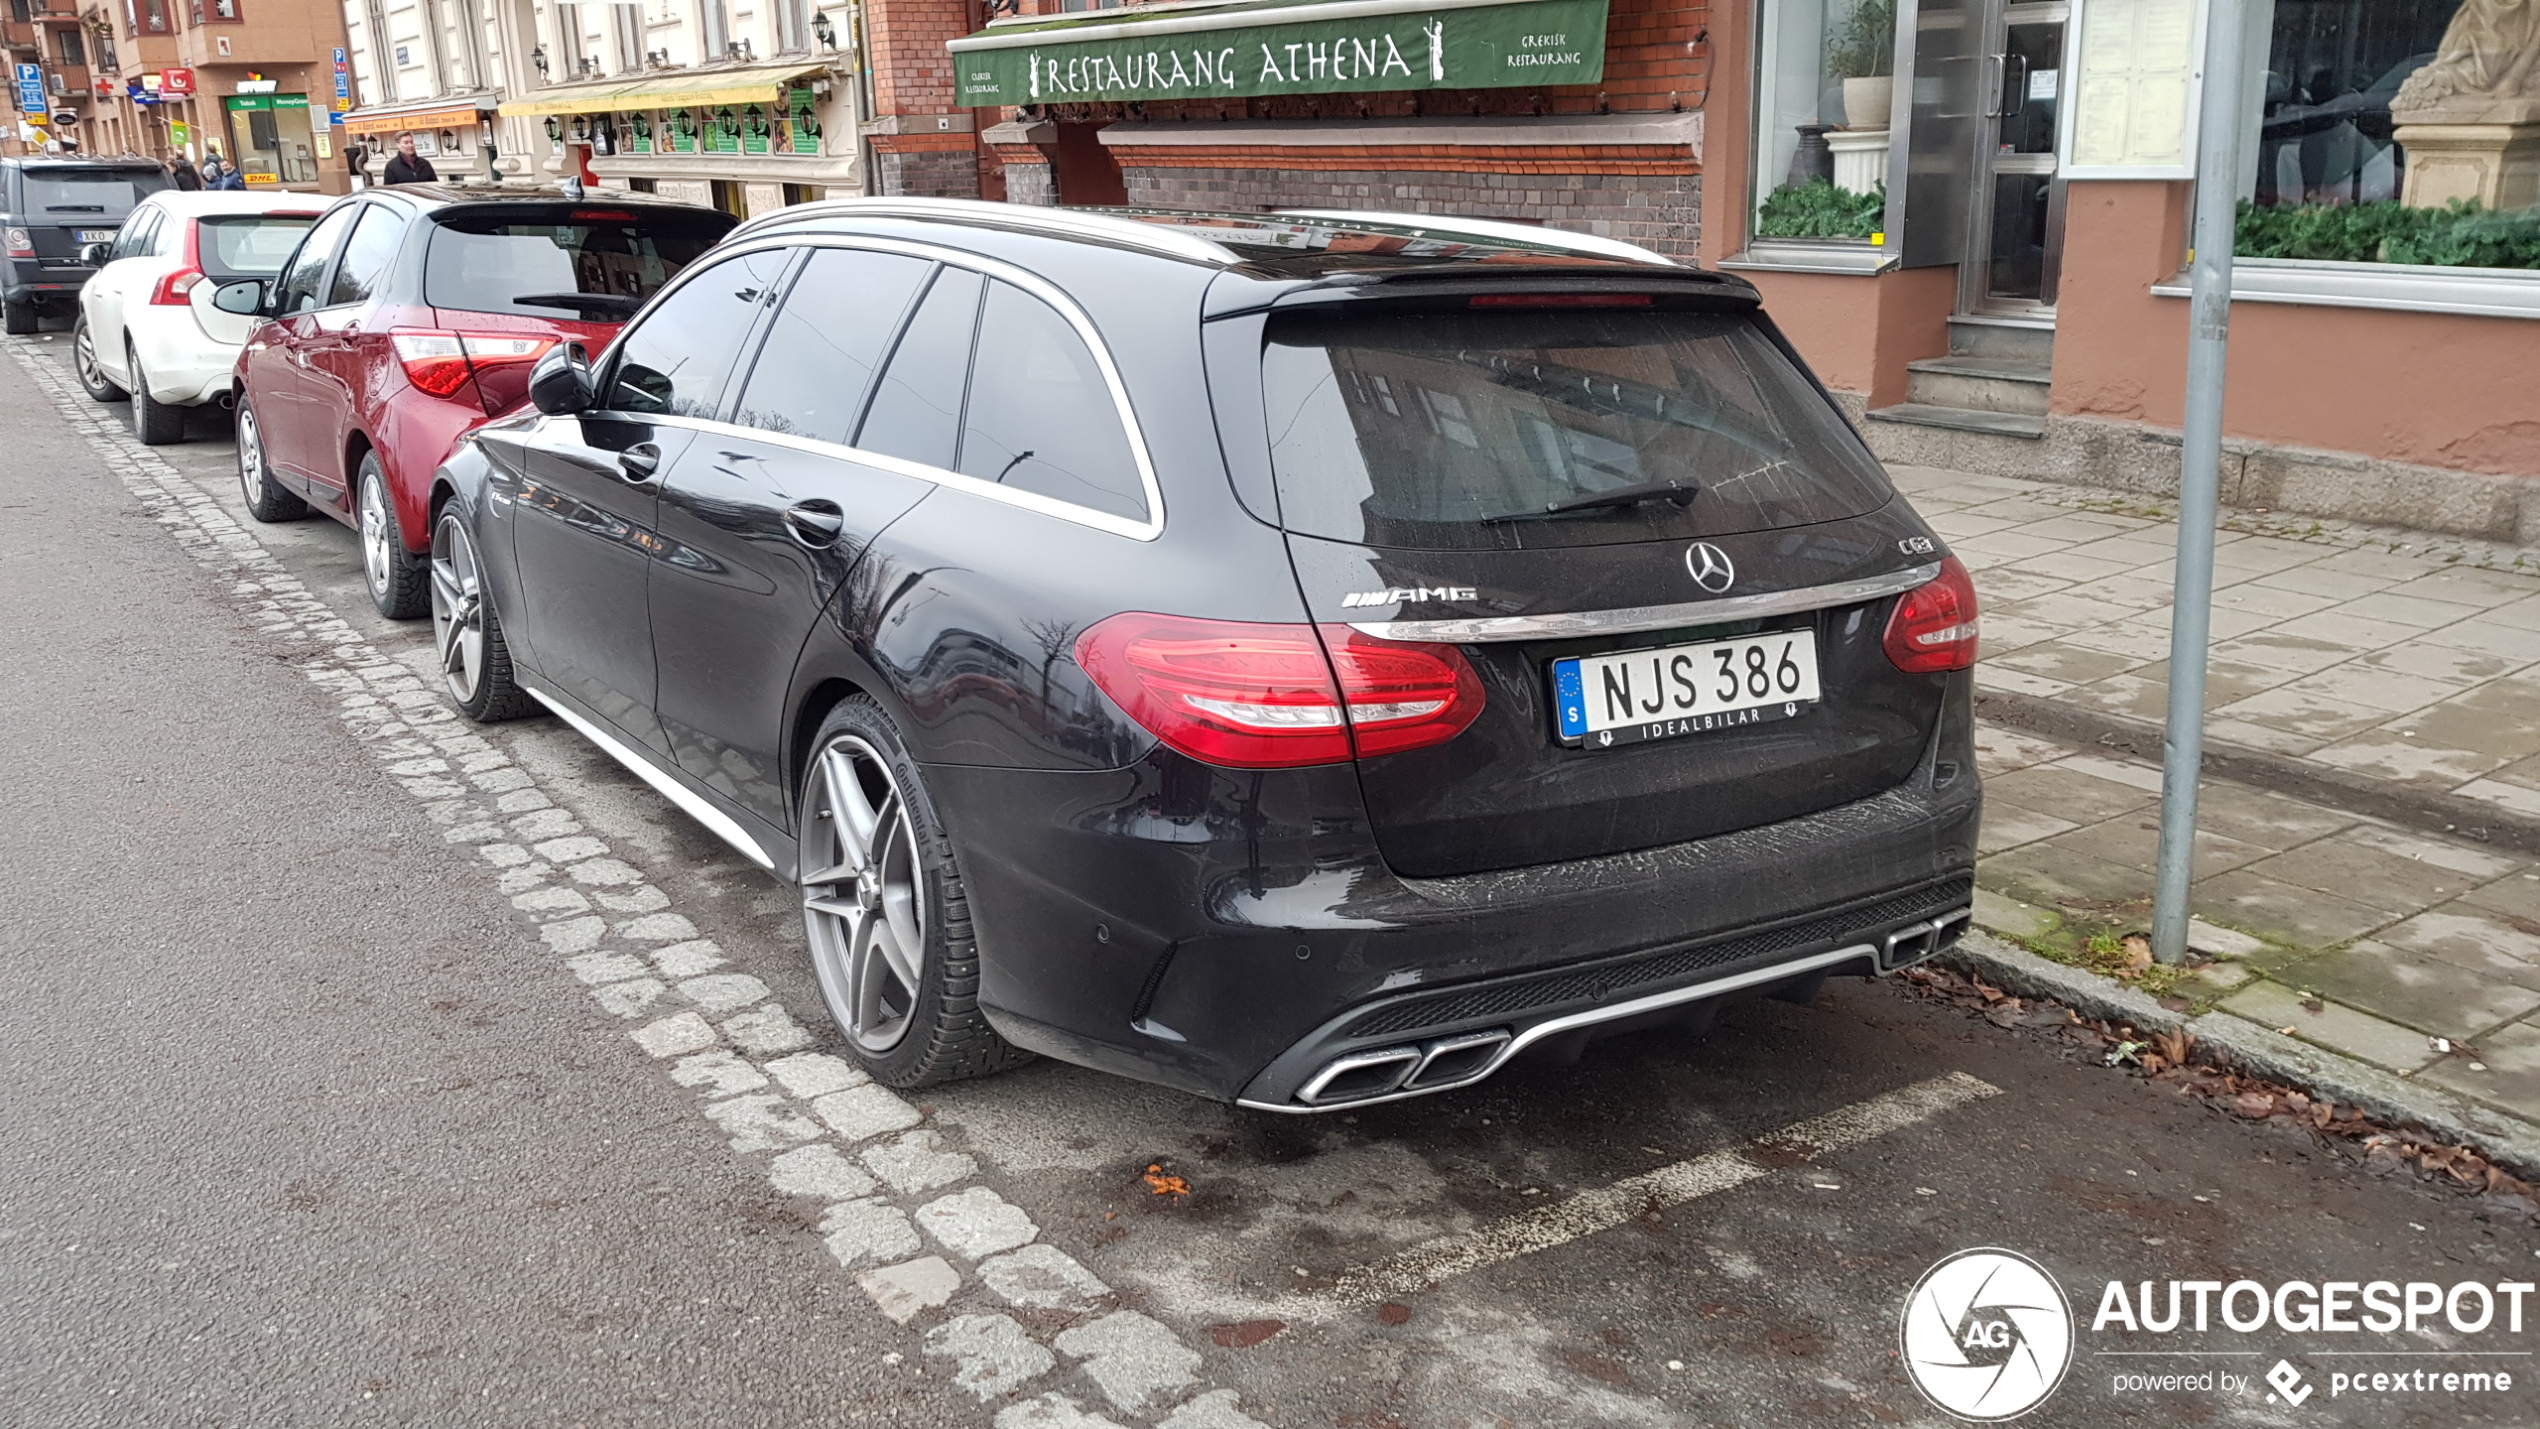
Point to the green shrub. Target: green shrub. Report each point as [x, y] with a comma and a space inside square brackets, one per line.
[1866, 45]
[2462, 235]
[1818, 209]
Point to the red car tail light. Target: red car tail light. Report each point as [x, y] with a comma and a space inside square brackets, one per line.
[175, 288]
[1255, 696]
[441, 362]
[1934, 627]
[21, 243]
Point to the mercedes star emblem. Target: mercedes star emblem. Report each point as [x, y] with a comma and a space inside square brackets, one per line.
[1710, 566]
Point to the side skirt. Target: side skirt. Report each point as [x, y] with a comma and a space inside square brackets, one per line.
[720, 824]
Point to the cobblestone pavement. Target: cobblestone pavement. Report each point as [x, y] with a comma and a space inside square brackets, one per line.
[2410, 660]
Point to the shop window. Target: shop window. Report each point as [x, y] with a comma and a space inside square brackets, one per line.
[1825, 85]
[270, 136]
[2328, 173]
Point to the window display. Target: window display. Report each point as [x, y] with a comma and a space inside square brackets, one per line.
[1825, 87]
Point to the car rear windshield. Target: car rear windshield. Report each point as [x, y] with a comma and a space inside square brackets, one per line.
[249, 245]
[83, 195]
[1456, 429]
[539, 263]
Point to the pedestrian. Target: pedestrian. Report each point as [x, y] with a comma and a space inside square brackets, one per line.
[357, 159]
[408, 167]
[181, 169]
[227, 180]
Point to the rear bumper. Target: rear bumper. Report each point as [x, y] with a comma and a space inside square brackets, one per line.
[187, 369]
[1234, 933]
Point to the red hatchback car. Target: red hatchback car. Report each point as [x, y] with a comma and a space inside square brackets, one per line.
[408, 316]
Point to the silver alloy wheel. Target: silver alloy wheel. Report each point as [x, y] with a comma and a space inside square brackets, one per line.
[84, 359]
[375, 556]
[251, 455]
[458, 609]
[863, 906]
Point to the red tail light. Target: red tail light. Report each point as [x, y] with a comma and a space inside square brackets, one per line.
[176, 288]
[1263, 697]
[21, 245]
[1934, 627]
[441, 362]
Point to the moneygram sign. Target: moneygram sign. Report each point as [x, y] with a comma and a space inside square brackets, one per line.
[1246, 50]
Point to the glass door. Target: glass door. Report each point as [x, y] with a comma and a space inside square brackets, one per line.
[2017, 232]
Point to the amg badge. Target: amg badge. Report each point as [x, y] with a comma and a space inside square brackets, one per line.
[1397, 595]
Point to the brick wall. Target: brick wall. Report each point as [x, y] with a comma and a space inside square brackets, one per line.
[921, 167]
[1659, 210]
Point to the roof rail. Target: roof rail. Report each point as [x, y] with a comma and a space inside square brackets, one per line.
[1071, 223]
[1525, 233]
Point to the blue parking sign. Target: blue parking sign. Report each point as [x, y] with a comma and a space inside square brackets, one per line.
[31, 97]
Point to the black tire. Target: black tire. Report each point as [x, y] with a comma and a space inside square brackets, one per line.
[92, 378]
[479, 679]
[155, 422]
[400, 582]
[266, 500]
[18, 318]
[944, 1036]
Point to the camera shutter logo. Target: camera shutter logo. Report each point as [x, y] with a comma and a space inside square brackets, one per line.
[1987, 1334]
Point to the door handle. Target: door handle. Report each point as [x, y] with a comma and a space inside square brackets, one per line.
[640, 463]
[815, 524]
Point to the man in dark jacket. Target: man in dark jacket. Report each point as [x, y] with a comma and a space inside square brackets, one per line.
[406, 166]
[181, 170]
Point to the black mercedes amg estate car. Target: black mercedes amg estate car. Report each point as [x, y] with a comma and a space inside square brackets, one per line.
[1305, 659]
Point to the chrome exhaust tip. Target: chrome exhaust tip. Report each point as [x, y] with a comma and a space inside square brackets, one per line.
[1915, 942]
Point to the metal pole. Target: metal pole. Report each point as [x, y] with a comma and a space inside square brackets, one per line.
[2200, 472]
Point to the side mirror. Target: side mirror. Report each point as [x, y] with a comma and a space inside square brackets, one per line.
[560, 384]
[246, 297]
[95, 254]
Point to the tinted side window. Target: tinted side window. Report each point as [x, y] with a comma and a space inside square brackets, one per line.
[298, 291]
[674, 361]
[916, 412]
[811, 376]
[134, 239]
[1040, 417]
[366, 256]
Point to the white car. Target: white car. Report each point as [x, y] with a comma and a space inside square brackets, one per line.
[147, 327]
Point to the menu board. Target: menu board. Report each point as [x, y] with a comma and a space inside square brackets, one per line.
[2135, 73]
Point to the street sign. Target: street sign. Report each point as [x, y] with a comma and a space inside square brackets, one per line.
[339, 56]
[31, 97]
[176, 81]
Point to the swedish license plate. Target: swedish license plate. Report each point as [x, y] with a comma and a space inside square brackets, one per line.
[96, 235]
[1630, 696]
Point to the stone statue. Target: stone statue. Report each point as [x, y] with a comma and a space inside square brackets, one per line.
[2489, 59]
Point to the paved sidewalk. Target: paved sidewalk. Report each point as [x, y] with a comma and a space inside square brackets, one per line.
[2418, 666]
[2389, 661]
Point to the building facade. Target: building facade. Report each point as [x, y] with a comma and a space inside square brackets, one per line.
[744, 104]
[254, 80]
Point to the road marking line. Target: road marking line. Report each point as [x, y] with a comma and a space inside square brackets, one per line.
[1589, 1212]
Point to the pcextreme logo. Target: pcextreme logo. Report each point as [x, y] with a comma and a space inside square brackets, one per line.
[1987, 1334]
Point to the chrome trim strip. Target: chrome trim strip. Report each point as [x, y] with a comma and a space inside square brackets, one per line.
[1409, 1057]
[1694, 992]
[1037, 286]
[716, 821]
[1484, 629]
[1075, 223]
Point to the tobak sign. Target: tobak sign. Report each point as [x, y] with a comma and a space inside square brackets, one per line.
[1535, 42]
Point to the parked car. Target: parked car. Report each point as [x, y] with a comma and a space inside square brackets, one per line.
[51, 209]
[1307, 660]
[147, 329]
[409, 314]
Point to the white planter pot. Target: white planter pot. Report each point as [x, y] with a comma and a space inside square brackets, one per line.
[1866, 102]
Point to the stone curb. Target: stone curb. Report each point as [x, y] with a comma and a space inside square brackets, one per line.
[2330, 1076]
[2353, 793]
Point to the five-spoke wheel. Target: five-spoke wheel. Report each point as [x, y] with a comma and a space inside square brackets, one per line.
[468, 641]
[863, 904]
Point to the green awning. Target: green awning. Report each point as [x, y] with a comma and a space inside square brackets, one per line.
[1241, 48]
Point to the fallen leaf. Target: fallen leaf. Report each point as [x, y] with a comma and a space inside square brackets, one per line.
[2253, 1105]
[1164, 1183]
[1394, 1312]
[2138, 952]
[1244, 1334]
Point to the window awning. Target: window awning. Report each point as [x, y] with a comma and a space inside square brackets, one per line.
[703, 89]
[397, 119]
[1227, 49]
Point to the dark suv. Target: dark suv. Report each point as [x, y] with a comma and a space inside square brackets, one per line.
[50, 209]
[1303, 660]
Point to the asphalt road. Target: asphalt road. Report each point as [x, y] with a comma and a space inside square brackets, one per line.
[308, 1124]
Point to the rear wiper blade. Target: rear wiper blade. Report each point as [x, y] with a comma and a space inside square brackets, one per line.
[616, 303]
[1681, 493]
